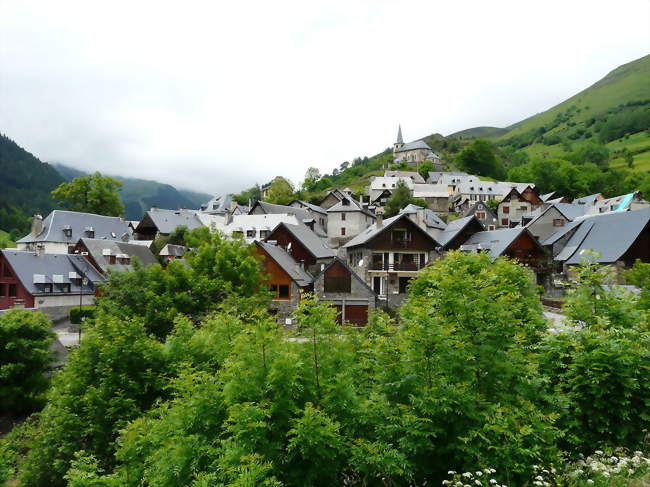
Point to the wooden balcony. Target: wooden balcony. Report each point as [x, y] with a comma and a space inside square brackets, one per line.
[403, 266]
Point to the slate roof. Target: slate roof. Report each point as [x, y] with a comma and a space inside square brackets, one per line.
[99, 249]
[454, 228]
[105, 227]
[171, 250]
[272, 208]
[312, 207]
[287, 263]
[372, 231]
[611, 234]
[429, 191]
[417, 144]
[415, 176]
[496, 242]
[166, 221]
[434, 176]
[27, 264]
[218, 204]
[430, 217]
[353, 206]
[587, 200]
[308, 238]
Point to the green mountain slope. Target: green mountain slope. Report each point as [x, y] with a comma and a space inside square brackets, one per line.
[480, 132]
[138, 195]
[25, 187]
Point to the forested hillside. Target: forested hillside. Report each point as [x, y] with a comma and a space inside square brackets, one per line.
[138, 195]
[25, 187]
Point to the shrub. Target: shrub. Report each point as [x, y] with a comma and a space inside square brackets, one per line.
[77, 315]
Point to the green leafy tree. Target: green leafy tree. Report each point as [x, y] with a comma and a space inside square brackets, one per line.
[425, 168]
[249, 196]
[92, 194]
[312, 176]
[400, 198]
[177, 237]
[479, 158]
[25, 358]
[280, 192]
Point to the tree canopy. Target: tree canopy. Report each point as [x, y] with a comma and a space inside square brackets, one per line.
[400, 198]
[280, 192]
[92, 194]
[480, 158]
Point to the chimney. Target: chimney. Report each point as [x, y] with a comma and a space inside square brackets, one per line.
[37, 225]
[380, 220]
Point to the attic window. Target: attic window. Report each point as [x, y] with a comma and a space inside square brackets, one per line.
[90, 232]
[67, 230]
[345, 202]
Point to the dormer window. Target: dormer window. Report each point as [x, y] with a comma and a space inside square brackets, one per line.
[90, 232]
[345, 202]
[67, 231]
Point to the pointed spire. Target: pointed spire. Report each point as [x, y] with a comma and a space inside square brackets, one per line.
[399, 135]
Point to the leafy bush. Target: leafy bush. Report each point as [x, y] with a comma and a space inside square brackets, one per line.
[25, 357]
[77, 315]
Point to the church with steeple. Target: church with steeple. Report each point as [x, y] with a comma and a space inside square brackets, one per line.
[414, 152]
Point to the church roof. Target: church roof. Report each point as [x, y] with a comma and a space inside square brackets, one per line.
[399, 140]
[418, 144]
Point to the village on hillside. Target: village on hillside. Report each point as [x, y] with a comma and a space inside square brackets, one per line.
[344, 249]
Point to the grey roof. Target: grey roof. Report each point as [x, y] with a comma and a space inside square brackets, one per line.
[310, 206]
[472, 209]
[288, 263]
[547, 196]
[494, 241]
[610, 234]
[400, 139]
[353, 206]
[417, 144]
[272, 208]
[372, 231]
[99, 249]
[171, 250]
[415, 176]
[104, 227]
[587, 200]
[26, 265]
[454, 228]
[166, 221]
[308, 238]
[430, 217]
[435, 175]
[218, 204]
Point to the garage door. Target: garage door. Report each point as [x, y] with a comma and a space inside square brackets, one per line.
[356, 314]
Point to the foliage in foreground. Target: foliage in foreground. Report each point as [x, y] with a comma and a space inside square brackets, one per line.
[25, 358]
[465, 382]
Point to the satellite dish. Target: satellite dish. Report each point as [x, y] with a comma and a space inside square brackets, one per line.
[289, 247]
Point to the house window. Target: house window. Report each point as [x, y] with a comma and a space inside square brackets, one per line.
[112, 259]
[490, 227]
[63, 288]
[338, 284]
[343, 216]
[505, 222]
[403, 284]
[250, 233]
[402, 236]
[342, 230]
[480, 215]
[523, 208]
[345, 202]
[264, 233]
[558, 222]
[2, 290]
[47, 288]
[506, 209]
[12, 291]
[5, 271]
[283, 291]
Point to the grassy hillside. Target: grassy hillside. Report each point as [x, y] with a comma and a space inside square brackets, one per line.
[480, 132]
[138, 195]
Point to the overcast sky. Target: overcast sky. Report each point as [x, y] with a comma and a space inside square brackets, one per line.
[215, 96]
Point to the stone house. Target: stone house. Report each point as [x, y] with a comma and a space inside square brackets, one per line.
[38, 280]
[287, 279]
[484, 214]
[318, 213]
[61, 230]
[388, 254]
[339, 285]
[312, 217]
[436, 197]
[515, 205]
[345, 220]
[105, 255]
[544, 222]
[414, 152]
[380, 184]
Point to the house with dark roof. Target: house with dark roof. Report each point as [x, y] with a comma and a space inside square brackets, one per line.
[219, 205]
[287, 279]
[113, 255]
[458, 231]
[303, 245]
[61, 230]
[545, 221]
[318, 213]
[333, 197]
[31, 279]
[618, 237]
[340, 286]
[305, 215]
[484, 214]
[345, 220]
[515, 204]
[389, 253]
[161, 222]
[414, 175]
[425, 218]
